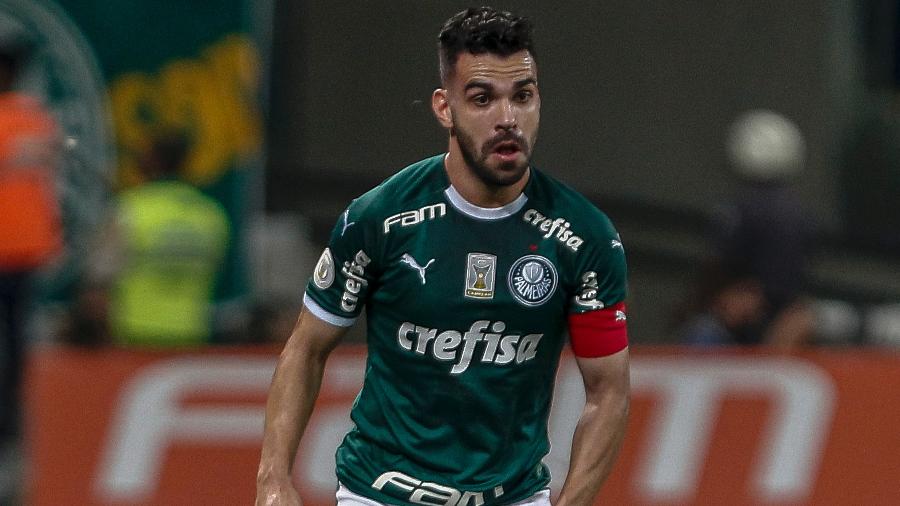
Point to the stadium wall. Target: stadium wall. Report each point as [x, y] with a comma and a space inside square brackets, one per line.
[707, 428]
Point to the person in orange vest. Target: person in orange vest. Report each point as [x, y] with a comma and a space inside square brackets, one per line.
[30, 225]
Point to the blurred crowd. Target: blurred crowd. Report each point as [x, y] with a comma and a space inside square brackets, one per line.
[150, 276]
[752, 286]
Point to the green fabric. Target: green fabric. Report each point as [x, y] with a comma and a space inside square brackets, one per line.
[460, 371]
[186, 65]
[174, 239]
[130, 35]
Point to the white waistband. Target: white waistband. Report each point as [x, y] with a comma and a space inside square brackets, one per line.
[347, 498]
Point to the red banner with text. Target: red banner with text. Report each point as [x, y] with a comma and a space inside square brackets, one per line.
[111, 427]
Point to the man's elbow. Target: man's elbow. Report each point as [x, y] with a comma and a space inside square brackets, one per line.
[614, 397]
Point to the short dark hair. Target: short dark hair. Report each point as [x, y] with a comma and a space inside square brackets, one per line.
[480, 30]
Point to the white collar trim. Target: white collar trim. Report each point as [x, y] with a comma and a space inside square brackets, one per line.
[484, 213]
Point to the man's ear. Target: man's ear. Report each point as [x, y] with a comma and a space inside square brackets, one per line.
[440, 105]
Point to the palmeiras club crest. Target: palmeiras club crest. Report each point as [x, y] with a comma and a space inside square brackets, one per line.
[532, 280]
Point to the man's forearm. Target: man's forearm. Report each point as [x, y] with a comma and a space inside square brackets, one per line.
[295, 387]
[292, 395]
[595, 445]
[598, 435]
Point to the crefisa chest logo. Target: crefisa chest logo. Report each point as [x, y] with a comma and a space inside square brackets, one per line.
[532, 280]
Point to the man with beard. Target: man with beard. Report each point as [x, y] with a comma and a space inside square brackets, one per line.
[471, 265]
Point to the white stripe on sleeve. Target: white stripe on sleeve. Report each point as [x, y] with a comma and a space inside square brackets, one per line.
[324, 315]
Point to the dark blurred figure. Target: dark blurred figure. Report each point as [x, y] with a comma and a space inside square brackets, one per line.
[751, 291]
[152, 278]
[870, 179]
[727, 309]
[871, 176]
[30, 228]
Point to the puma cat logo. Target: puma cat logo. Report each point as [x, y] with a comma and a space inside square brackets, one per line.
[410, 261]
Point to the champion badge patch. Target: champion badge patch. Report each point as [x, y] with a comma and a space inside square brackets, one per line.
[323, 275]
[532, 280]
[480, 274]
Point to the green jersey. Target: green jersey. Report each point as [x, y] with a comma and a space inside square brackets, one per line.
[466, 311]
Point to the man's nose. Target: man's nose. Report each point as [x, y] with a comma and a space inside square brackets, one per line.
[506, 119]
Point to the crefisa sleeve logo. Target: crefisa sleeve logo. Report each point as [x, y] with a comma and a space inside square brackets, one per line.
[532, 280]
[588, 292]
[323, 275]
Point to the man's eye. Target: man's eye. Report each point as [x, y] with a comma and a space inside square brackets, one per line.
[524, 96]
[480, 99]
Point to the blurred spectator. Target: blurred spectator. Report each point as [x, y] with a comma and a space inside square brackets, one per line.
[30, 228]
[752, 291]
[871, 176]
[730, 310]
[152, 279]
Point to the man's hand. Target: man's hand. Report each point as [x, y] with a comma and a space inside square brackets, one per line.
[276, 492]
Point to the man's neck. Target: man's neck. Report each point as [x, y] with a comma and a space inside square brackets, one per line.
[473, 189]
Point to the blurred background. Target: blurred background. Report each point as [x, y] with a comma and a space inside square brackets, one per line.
[170, 171]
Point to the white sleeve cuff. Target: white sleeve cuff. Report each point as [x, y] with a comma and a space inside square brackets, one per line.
[323, 314]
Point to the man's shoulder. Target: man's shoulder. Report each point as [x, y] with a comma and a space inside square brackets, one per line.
[552, 199]
[415, 186]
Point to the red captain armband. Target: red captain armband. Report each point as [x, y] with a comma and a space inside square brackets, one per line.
[598, 333]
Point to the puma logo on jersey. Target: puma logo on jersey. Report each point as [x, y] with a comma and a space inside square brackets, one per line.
[410, 261]
[410, 218]
[620, 316]
[346, 224]
[556, 227]
[460, 347]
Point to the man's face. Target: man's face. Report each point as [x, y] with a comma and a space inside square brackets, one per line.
[495, 109]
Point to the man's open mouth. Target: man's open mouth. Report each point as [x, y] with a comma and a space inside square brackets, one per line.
[507, 148]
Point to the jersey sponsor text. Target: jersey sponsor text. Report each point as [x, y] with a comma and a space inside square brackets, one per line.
[445, 345]
[416, 216]
[556, 227]
[431, 494]
[354, 270]
[588, 291]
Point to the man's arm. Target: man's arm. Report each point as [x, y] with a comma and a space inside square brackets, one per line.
[292, 395]
[600, 429]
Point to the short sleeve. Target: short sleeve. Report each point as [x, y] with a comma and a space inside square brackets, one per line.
[597, 315]
[601, 272]
[341, 280]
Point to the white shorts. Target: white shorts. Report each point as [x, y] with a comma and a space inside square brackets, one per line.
[347, 498]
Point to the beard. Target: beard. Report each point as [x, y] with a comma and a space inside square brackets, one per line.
[506, 173]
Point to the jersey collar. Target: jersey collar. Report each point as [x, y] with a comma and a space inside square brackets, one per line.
[484, 213]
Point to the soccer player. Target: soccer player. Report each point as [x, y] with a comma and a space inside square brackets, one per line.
[471, 265]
